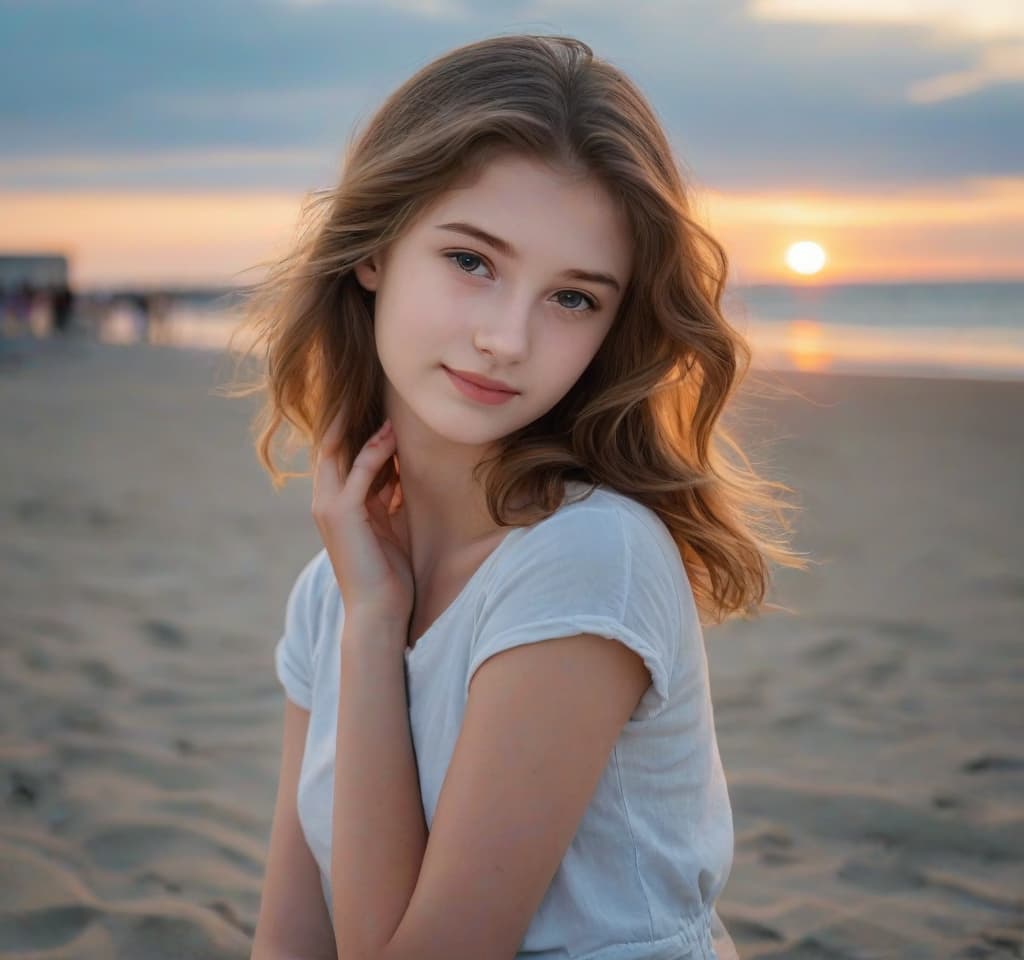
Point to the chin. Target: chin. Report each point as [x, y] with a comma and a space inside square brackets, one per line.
[461, 428]
[465, 435]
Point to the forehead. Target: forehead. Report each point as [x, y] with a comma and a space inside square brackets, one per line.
[567, 218]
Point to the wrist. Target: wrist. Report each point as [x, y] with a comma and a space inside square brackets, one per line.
[363, 630]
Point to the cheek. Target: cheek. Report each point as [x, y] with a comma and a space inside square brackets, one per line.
[567, 356]
[413, 337]
[392, 335]
[421, 311]
[399, 322]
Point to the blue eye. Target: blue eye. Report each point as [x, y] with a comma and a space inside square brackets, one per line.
[459, 257]
[575, 293]
[462, 255]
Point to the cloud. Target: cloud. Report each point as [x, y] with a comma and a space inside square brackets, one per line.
[967, 202]
[979, 18]
[426, 9]
[998, 64]
[768, 100]
[225, 167]
[262, 105]
[994, 27]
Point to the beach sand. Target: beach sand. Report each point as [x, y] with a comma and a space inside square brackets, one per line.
[873, 739]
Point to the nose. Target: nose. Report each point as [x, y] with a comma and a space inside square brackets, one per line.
[504, 331]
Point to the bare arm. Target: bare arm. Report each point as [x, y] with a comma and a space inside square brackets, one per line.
[540, 723]
[293, 922]
[379, 829]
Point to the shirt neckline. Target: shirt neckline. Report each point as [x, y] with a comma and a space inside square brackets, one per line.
[485, 564]
[410, 652]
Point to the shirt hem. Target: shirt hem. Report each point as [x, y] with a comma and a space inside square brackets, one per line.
[692, 941]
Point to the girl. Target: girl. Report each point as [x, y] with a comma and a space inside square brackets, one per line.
[501, 338]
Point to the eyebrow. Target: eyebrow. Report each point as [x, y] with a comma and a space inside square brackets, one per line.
[506, 248]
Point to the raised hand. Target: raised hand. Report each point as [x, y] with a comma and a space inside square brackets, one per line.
[358, 529]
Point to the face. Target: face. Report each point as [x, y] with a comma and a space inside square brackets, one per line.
[510, 309]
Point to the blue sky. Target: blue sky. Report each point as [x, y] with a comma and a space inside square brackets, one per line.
[263, 93]
[174, 141]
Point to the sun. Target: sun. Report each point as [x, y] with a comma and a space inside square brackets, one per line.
[806, 257]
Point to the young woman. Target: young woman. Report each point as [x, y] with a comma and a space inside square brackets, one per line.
[501, 338]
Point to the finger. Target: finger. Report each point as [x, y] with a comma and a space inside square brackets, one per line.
[367, 464]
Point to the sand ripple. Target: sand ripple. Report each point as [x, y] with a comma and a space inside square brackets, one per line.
[872, 740]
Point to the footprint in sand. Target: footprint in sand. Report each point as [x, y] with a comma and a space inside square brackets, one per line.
[993, 763]
[162, 633]
[829, 650]
[100, 673]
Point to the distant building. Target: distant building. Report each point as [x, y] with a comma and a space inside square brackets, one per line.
[40, 271]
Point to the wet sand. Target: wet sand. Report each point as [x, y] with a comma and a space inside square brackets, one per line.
[872, 738]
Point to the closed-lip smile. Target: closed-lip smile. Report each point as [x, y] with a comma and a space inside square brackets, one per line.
[480, 381]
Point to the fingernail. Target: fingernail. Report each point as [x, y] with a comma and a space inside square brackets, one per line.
[386, 429]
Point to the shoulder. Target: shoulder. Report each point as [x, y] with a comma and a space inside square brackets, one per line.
[314, 597]
[584, 500]
[603, 565]
[312, 578]
[599, 523]
[597, 540]
[305, 616]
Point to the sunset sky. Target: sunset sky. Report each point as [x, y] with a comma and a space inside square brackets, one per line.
[160, 142]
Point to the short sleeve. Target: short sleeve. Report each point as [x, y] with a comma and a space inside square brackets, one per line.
[293, 656]
[598, 569]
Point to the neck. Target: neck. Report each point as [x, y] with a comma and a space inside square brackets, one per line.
[444, 511]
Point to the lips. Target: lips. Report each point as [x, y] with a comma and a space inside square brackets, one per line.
[484, 382]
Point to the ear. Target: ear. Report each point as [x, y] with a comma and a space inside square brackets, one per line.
[368, 273]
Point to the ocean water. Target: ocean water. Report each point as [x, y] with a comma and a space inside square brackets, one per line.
[973, 330]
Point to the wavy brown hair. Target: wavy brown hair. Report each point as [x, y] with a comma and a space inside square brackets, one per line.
[643, 418]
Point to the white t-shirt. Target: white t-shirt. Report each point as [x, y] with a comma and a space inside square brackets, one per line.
[654, 848]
